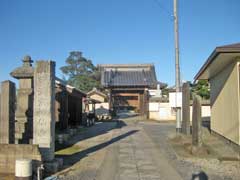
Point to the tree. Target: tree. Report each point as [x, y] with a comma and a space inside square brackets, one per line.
[81, 72]
[201, 88]
[165, 90]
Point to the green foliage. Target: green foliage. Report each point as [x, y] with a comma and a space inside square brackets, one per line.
[81, 72]
[165, 92]
[201, 88]
[83, 82]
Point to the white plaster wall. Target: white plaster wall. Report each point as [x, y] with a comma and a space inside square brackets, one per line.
[206, 112]
[163, 111]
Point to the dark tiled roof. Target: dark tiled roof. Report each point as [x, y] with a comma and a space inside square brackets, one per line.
[129, 77]
[94, 90]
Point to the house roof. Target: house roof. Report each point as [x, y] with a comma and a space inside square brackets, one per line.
[95, 91]
[68, 87]
[125, 75]
[224, 54]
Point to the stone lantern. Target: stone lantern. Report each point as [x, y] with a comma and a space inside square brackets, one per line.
[24, 110]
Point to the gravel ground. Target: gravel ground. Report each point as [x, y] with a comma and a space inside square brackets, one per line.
[187, 167]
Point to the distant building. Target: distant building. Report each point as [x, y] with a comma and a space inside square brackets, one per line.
[102, 108]
[68, 105]
[222, 69]
[97, 95]
[128, 85]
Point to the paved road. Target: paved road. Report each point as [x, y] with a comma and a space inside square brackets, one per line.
[132, 150]
[136, 157]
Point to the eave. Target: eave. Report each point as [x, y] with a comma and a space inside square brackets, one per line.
[219, 58]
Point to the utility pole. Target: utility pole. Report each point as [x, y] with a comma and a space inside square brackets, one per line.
[177, 68]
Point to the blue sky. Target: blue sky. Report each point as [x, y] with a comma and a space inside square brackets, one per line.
[111, 31]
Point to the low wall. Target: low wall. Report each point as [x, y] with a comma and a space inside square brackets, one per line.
[10, 152]
[163, 111]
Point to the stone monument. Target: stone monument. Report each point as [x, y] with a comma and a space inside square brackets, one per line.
[44, 108]
[7, 112]
[24, 111]
[185, 109]
[197, 122]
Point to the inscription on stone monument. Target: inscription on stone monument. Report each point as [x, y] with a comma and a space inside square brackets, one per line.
[44, 106]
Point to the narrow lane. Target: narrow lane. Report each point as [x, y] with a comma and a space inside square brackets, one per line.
[123, 152]
[136, 157]
[133, 150]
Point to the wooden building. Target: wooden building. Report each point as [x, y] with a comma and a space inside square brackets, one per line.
[68, 104]
[128, 85]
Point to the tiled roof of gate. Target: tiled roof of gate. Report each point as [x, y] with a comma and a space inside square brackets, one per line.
[128, 75]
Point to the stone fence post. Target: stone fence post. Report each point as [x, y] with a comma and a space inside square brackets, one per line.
[186, 108]
[7, 112]
[197, 122]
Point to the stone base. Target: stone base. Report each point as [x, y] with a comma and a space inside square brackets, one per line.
[62, 138]
[10, 152]
[53, 166]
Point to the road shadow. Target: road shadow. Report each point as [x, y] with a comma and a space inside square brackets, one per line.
[70, 160]
[90, 132]
[200, 176]
[126, 115]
